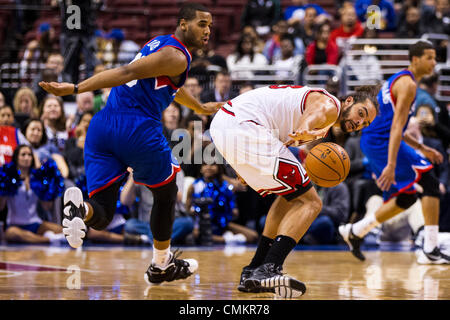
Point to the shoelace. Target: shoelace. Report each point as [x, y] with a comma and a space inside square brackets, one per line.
[176, 253]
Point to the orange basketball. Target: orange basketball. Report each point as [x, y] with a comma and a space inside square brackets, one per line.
[327, 164]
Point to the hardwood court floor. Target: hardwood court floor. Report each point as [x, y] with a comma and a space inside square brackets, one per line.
[109, 273]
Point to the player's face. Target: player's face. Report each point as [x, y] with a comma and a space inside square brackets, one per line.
[198, 30]
[357, 115]
[427, 61]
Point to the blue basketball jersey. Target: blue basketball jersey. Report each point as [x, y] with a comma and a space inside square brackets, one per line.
[152, 95]
[381, 126]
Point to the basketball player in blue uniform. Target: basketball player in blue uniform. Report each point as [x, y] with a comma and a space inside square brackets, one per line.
[128, 133]
[396, 163]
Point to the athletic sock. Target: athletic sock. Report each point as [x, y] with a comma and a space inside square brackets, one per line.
[280, 250]
[263, 248]
[362, 227]
[430, 238]
[161, 257]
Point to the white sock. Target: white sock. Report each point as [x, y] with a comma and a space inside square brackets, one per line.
[161, 257]
[430, 238]
[362, 227]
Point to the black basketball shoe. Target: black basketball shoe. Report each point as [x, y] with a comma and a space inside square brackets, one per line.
[353, 242]
[268, 277]
[246, 273]
[433, 257]
[176, 269]
[74, 212]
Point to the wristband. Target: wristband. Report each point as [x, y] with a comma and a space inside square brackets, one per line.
[75, 89]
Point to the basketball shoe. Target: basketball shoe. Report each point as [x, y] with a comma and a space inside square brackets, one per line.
[176, 269]
[352, 241]
[269, 277]
[74, 212]
[433, 257]
[246, 273]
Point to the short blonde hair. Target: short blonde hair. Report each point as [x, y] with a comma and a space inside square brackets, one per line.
[25, 91]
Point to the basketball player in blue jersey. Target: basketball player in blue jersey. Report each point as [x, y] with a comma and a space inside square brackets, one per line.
[399, 161]
[128, 133]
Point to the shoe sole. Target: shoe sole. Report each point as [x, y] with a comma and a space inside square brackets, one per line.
[282, 286]
[75, 229]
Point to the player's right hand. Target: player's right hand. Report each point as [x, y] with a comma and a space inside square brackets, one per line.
[306, 136]
[387, 178]
[58, 89]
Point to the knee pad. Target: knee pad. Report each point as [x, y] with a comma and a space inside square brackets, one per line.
[163, 211]
[405, 200]
[430, 185]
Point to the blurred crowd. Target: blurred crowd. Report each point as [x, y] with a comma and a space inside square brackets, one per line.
[214, 205]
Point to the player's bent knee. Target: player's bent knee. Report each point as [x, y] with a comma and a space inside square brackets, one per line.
[405, 200]
[430, 185]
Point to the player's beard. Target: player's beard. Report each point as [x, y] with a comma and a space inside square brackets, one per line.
[345, 118]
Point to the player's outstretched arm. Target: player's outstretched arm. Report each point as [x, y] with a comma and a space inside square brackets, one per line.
[315, 121]
[432, 154]
[186, 99]
[404, 90]
[166, 62]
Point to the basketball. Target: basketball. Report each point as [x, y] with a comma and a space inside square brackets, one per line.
[327, 164]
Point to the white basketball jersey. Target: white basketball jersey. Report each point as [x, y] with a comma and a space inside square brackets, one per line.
[276, 107]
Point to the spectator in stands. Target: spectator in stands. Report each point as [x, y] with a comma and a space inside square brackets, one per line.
[53, 71]
[251, 32]
[272, 48]
[54, 118]
[25, 105]
[6, 115]
[77, 39]
[385, 14]
[261, 14]
[245, 56]
[418, 128]
[117, 50]
[222, 208]
[296, 13]
[349, 26]
[222, 91]
[142, 196]
[85, 102]
[426, 93]
[171, 119]
[305, 30]
[438, 18]
[39, 49]
[10, 136]
[23, 221]
[412, 27]
[35, 133]
[322, 49]
[2, 99]
[287, 59]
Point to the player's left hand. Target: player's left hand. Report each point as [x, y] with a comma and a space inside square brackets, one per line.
[432, 154]
[58, 89]
[210, 107]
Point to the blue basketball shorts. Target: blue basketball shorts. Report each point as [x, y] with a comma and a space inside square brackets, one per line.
[409, 168]
[118, 139]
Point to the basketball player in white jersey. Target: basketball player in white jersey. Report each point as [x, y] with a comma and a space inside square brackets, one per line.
[252, 132]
